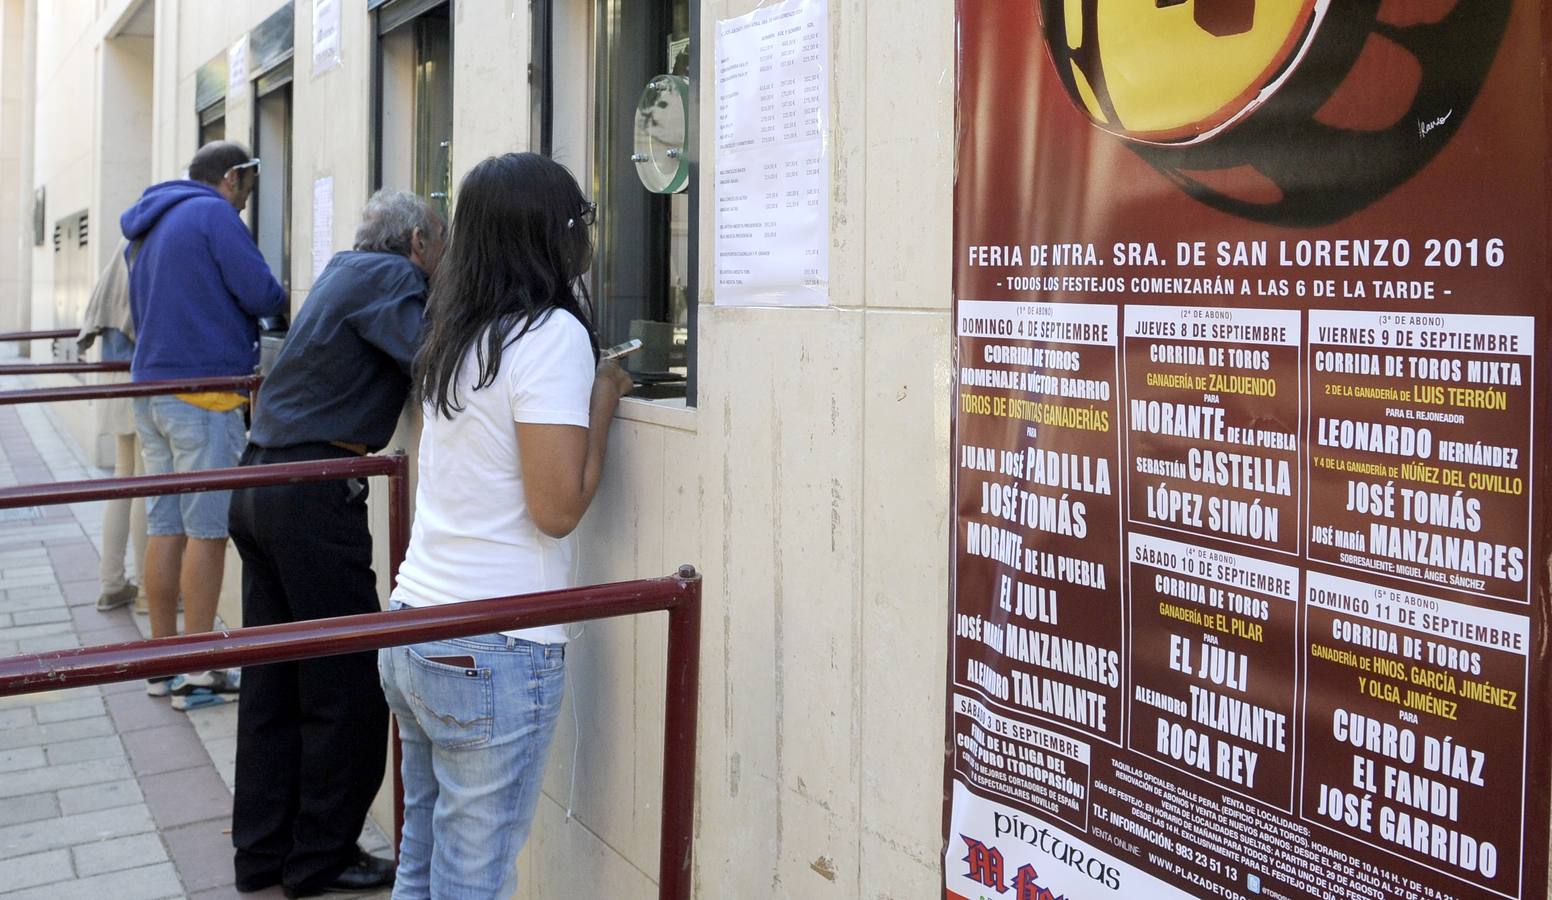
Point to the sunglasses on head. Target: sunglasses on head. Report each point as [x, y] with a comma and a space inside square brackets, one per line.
[250, 164]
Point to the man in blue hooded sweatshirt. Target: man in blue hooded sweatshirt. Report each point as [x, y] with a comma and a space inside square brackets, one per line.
[197, 288]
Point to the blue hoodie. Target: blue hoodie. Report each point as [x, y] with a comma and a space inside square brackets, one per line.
[197, 285]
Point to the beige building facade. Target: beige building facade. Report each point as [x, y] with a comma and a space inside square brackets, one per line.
[803, 469]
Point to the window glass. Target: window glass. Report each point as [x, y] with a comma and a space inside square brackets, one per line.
[415, 107]
[644, 280]
[271, 203]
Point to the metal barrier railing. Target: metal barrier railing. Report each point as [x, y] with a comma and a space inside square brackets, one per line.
[68, 368]
[137, 389]
[56, 334]
[678, 595]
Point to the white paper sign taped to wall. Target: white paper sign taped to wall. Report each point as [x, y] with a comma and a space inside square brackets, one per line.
[323, 222]
[237, 72]
[326, 35]
[773, 163]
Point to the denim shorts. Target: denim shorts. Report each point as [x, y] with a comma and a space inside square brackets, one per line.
[475, 741]
[180, 437]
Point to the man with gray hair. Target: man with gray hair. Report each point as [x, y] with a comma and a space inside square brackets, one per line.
[312, 734]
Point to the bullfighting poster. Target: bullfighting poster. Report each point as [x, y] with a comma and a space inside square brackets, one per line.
[1249, 577]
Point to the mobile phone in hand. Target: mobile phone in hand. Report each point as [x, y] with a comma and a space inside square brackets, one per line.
[625, 349]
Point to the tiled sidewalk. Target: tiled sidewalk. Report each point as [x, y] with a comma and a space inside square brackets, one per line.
[104, 792]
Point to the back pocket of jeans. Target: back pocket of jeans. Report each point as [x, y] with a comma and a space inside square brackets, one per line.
[454, 706]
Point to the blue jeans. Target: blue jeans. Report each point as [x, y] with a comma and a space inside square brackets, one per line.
[180, 437]
[475, 741]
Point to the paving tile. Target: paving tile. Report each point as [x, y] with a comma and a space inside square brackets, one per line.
[21, 872]
[47, 629]
[81, 592]
[44, 565]
[48, 643]
[118, 854]
[36, 534]
[66, 831]
[51, 590]
[133, 710]
[190, 795]
[146, 883]
[70, 709]
[22, 758]
[20, 601]
[60, 695]
[8, 583]
[165, 749]
[230, 893]
[223, 752]
[132, 686]
[28, 808]
[106, 795]
[119, 633]
[90, 618]
[40, 616]
[203, 853]
[82, 749]
[72, 557]
[54, 778]
[215, 721]
[54, 732]
[16, 717]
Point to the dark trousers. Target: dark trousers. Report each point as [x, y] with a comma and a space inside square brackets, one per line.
[312, 735]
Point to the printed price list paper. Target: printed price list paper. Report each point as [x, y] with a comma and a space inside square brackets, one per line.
[326, 35]
[323, 222]
[772, 172]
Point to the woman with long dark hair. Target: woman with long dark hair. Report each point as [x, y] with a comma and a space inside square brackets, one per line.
[517, 410]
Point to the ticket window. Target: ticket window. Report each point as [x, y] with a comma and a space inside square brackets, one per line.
[414, 108]
[210, 100]
[271, 203]
[614, 98]
[212, 123]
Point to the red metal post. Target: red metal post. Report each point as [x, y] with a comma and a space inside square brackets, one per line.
[398, 516]
[398, 547]
[679, 718]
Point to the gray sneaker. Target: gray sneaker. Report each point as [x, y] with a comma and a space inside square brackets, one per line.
[114, 599]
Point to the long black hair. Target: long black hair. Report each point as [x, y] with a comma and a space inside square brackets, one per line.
[516, 251]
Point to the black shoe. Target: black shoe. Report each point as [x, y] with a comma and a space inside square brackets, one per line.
[367, 873]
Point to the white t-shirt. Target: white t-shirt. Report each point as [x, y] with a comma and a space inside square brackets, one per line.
[473, 536]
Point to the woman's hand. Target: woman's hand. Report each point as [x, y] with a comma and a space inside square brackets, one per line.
[612, 376]
[610, 383]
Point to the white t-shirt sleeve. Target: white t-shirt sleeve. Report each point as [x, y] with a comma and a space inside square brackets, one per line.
[551, 378]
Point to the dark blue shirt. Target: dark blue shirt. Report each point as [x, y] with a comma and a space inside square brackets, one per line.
[343, 372]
